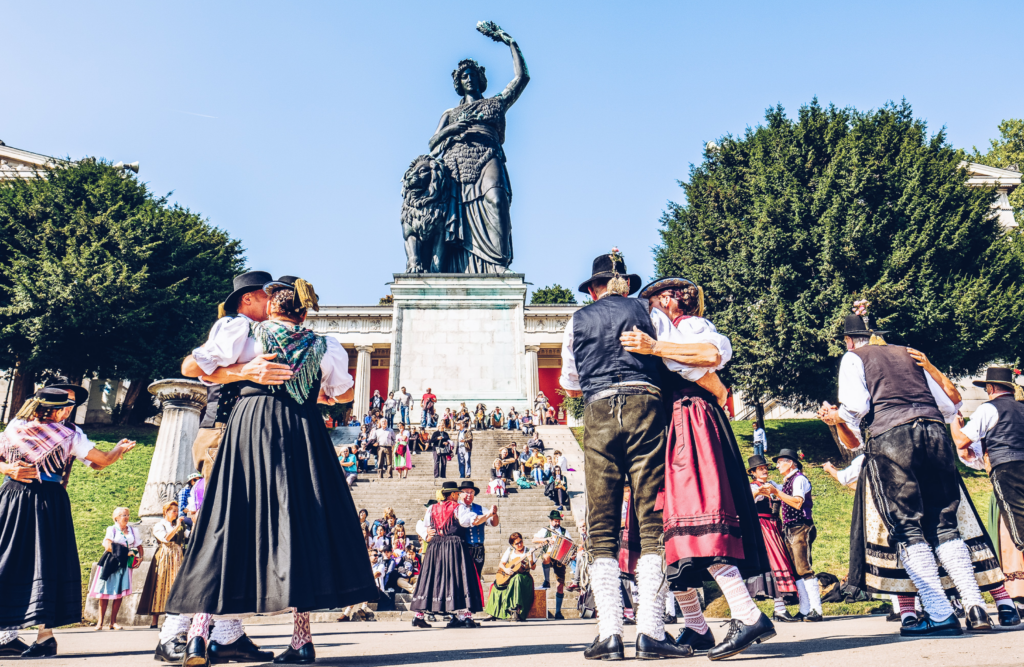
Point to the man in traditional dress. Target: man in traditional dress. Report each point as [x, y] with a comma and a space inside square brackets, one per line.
[798, 528]
[910, 470]
[625, 423]
[548, 536]
[996, 435]
[472, 519]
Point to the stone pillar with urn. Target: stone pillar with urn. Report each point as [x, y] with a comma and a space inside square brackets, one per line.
[182, 402]
[532, 373]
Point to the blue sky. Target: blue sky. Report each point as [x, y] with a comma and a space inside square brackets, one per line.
[291, 124]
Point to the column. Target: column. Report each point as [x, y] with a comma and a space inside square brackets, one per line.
[361, 400]
[183, 402]
[532, 376]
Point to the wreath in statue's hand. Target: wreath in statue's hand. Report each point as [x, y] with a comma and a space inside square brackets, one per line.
[492, 30]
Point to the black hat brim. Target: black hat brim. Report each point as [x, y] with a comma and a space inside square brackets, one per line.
[864, 333]
[981, 383]
[634, 281]
[466, 488]
[799, 464]
[81, 393]
[663, 284]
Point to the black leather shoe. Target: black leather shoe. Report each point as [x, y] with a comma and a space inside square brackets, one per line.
[47, 649]
[813, 617]
[305, 655]
[1007, 616]
[977, 620]
[609, 649]
[648, 648]
[470, 623]
[241, 650]
[909, 620]
[454, 623]
[170, 651]
[420, 623]
[742, 636]
[671, 619]
[784, 617]
[195, 653]
[16, 647]
[893, 617]
[700, 644]
[558, 616]
[926, 627]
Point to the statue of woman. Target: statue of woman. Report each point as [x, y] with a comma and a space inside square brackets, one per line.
[469, 139]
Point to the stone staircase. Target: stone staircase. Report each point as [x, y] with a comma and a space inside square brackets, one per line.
[524, 510]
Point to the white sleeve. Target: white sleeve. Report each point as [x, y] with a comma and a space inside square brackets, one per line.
[427, 522]
[542, 534]
[854, 397]
[335, 379]
[801, 487]
[465, 516]
[421, 529]
[110, 534]
[225, 344]
[978, 462]
[851, 473]
[982, 421]
[81, 446]
[946, 406]
[160, 530]
[570, 378]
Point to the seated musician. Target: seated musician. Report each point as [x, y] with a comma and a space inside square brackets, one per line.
[550, 535]
[512, 595]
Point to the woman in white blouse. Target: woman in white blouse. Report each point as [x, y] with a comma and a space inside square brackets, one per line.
[118, 584]
[277, 500]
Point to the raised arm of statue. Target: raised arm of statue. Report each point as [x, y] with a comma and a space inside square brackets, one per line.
[522, 75]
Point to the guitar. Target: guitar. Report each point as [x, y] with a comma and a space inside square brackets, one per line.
[502, 578]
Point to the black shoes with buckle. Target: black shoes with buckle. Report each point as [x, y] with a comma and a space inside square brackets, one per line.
[304, 655]
[1008, 616]
[700, 643]
[649, 648]
[742, 636]
[977, 620]
[926, 627]
[170, 651]
[609, 649]
[240, 650]
[47, 649]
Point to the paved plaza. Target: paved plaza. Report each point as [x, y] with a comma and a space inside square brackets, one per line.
[851, 641]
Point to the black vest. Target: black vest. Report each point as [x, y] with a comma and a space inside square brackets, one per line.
[601, 360]
[898, 388]
[1004, 442]
[220, 398]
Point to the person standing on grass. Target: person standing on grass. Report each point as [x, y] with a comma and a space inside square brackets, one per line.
[760, 439]
[40, 575]
[795, 493]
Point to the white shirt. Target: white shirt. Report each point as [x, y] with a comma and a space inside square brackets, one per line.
[563, 463]
[690, 330]
[511, 553]
[163, 528]
[404, 399]
[851, 473]
[465, 516]
[855, 399]
[129, 538]
[542, 534]
[230, 343]
[801, 485]
[982, 421]
[759, 435]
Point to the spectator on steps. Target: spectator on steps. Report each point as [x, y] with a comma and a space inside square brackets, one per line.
[384, 438]
[558, 489]
[441, 443]
[535, 442]
[448, 420]
[540, 405]
[390, 408]
[549, 468]
[526, 424]
[381, 539]
[383, 521]
[404, 399]
[481, 417]
[376, 403]
[367, 537]
[550, 416]
[524, 456]
[497, 483]
[348, 465]
[403, 453]
[561, 461]
[363, 519]
[497, 418]
[513, 419]
[424, 440]
[362, 458]
[408, 571]
[534, 466]
[428, 417]
[465, 452]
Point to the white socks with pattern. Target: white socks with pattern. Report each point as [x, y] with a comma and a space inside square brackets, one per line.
[650, 618]
[226, 631]
[174, 625]
[801, 594]
[689, 604]
[8, 636]
[956, 559]
[736, 594]
[604, 582]
[919, 562]
[813, 588]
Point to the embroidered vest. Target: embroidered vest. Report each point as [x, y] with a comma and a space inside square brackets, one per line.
[474, 534]
[792, 515]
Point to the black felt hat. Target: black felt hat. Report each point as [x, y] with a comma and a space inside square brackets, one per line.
[790, 454]
[81, 393]
[247, 282]
[997, 375]
[855, 328]
[51, 397]
[449, 487]
[756, 461]
[466, 484]
[609, 266]
[662, 284]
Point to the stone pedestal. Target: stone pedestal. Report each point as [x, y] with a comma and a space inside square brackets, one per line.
[462, 335]
[361, 404]
[182, 406]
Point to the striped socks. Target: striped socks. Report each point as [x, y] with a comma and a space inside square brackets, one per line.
[693, 617]
[736, 594]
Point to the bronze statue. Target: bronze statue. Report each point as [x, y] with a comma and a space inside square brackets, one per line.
[476, 236]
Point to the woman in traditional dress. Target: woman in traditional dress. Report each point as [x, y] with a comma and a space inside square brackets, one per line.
[40, 576]
[114, 582]
[170, 534]
[278, 529]
[779, 581]
[515, 599]
[402, 452]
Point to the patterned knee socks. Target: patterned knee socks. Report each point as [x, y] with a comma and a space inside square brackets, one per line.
[301, 634]
[650, 619]
[200, 627]
[906, 604]
[604, 581]
[780, 606]
[226, 631]
[736, 594]
[956, 559]
[1002, 598]
[693, 617]
[801, 594]
[8, 636]
[919, 562]
[174, 625]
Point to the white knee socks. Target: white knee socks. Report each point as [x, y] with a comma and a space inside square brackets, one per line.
[8, 636]
[801, 594]
[670, 604]
[919, 562]
[226, 631]
[604, 581]
[174, 625]
[956, 559]
[736, 594]
[813, 588]
[780, 606]
[693, 617]
[650, 618]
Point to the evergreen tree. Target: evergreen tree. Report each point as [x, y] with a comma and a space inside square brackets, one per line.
[787, 225]
[553, 295]
[1007, 152]
[101, 277]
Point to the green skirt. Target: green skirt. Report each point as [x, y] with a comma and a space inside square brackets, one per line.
[518, 593]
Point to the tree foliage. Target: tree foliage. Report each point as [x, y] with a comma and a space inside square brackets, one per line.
[1007, 152]
[787, 225]
[553, 295]
[100, 276]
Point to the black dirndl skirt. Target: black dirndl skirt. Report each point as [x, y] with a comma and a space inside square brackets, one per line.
[448, 579]
[278, 527]
[40, 575]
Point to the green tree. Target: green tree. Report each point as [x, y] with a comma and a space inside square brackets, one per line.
[1007, 152]
[553, 295]
[787, 225]
[101, 277]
